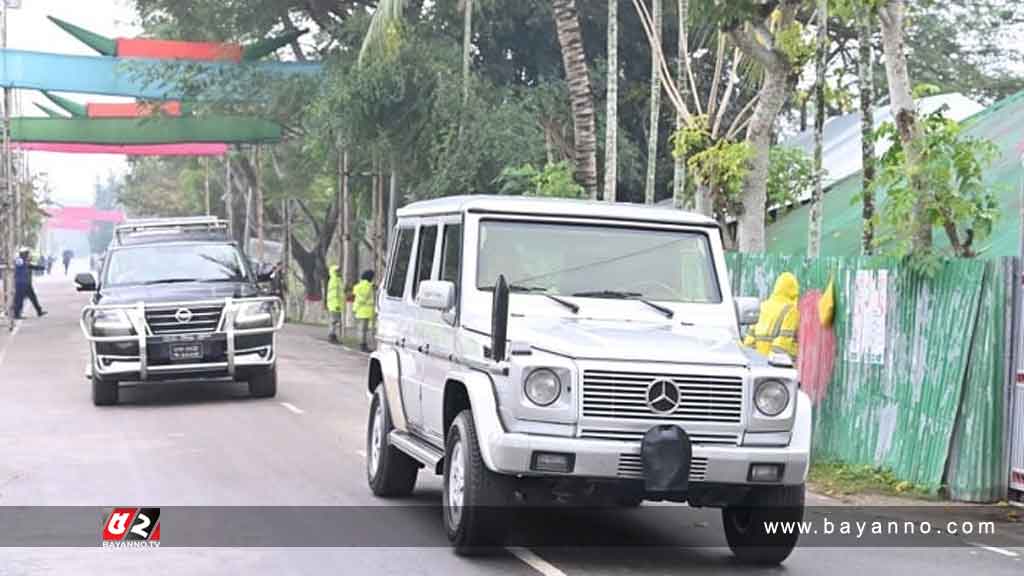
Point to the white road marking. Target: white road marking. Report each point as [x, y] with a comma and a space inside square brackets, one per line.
[292, 408]
[361, 453]
[536, 562]
[1003, 551]
[10, 338]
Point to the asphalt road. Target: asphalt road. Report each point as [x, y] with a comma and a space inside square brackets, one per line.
[203, 444]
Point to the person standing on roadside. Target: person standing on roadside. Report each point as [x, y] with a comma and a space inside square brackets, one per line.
[66, 258]
[335, 303]
[23, 268]
[365, 307]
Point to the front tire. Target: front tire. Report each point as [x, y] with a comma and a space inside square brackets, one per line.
[389, 472]
[104, 392]
[473, 496]
[745, 524]
[263, 384]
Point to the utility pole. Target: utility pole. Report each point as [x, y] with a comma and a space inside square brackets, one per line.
[10, 201]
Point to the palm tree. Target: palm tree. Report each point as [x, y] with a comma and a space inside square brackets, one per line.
[679, 174]
[821, 55]
[570, 38]
[866, 86]
[652, 137]
[611, 156]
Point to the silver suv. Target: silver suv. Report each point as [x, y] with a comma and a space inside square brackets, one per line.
[545, 351]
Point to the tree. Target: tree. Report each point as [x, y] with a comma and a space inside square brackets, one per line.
[866, 86]
[611, 146]
[570, 38]
[820, 57]
[901, 100]
[652, 138]
[679, 166]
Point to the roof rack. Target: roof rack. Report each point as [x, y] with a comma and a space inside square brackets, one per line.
[165, 226]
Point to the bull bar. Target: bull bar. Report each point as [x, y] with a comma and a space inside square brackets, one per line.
[141, 331]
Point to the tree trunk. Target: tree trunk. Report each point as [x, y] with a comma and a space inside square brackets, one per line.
[206, 182]
[679, 169]
[570, 38]
[261, 247]
[229, 196]
[866, 83]
[653, 133]
[814, 220]
[611, 145]
[467, 46]
[392, 203]
[901, 101]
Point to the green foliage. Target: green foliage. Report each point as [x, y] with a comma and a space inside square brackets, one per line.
[840, 479]
[722, 168]
[958, 200]
[791, 41]
[554, 181]
[790, 175]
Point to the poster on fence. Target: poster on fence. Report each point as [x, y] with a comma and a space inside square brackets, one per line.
[867, 332]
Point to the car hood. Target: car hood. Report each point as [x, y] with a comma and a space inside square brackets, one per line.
[186, 292]
[633, 341]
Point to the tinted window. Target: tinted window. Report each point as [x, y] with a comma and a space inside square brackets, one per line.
[400, 267]
[425, 260]
[451, 253]
[172, 263]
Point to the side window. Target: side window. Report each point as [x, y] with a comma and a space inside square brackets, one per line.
[425, 259]
[451, 254]
[400, 267]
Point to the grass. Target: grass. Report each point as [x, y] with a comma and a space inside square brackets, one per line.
[840, 479]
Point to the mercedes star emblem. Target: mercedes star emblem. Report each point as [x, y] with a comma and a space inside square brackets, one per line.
[663, 396]
[183, 315]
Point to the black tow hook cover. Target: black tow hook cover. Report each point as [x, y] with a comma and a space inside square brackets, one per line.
[666, 452]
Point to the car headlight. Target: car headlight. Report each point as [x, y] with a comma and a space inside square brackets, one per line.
[255, 315]
[542, 387]
[108, 323]
[771, 397]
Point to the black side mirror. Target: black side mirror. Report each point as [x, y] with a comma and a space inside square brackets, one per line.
[499, 320]
[86, 282]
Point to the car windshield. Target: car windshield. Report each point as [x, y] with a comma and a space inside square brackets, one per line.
[598, 261]
[170, 263]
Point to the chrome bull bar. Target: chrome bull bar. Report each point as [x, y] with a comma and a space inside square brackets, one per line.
[140, 330]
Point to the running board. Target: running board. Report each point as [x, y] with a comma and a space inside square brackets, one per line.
[417, 449]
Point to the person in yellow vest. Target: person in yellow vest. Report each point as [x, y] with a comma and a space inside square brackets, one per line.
[776, 328]
[335, 303]
[365, 309]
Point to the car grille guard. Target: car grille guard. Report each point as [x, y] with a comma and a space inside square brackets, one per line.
[149, 321]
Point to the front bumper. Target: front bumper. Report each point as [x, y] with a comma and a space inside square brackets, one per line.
[143, 355]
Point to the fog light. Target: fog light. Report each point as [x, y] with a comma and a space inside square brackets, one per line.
[553, 462]
[765, 473]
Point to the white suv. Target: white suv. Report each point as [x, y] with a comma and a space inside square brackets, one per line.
[534, 349]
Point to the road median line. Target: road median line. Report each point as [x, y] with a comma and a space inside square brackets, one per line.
[531, 559]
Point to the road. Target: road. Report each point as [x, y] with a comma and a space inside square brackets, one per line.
[202, 444]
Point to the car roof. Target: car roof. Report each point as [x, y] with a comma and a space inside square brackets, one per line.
[552, 206]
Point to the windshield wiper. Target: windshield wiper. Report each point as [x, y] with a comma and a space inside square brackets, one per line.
[169, 281]
[665, 311]
[542, 291]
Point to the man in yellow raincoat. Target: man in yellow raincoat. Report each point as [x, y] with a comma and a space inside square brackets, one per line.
[776, 328]
[364, 307]
[335, 302]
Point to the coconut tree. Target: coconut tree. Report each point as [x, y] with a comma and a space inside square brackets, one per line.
[570, 38]
[652, 136]
[611, 145]
[821, 55]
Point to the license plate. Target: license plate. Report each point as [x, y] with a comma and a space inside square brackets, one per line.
[186, 352]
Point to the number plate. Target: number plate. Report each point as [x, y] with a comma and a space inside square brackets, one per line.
[186, 352]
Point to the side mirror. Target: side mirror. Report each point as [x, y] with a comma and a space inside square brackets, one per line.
[86, 282]
[264, 272]
[499, 320]
[748, 310]
[436, 295]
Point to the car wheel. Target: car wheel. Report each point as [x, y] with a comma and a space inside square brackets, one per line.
[745, 524]
[104, 392]
[473, 496]
[263, 384]
[389, 471]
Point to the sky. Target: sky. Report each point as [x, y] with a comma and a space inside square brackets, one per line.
[72, 177]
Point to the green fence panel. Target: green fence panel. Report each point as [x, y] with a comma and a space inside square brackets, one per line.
[901, 413]
[976, 472]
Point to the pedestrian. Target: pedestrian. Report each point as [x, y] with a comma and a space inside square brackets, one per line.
[66, 258]
[23, 268]
[335, 303]
[776, 328]
[364, 307]
[49, 264]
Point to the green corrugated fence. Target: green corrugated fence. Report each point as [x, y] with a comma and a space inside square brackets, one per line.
[944, 369]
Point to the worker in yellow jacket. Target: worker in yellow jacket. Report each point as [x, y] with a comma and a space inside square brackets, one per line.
[335, 302]
[776, 327]
[365, 309]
